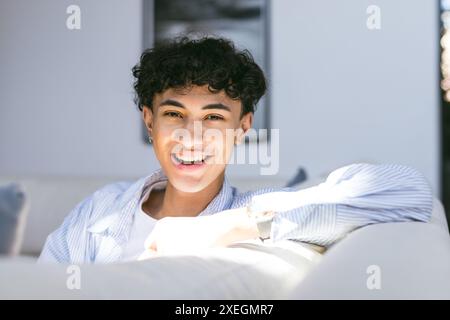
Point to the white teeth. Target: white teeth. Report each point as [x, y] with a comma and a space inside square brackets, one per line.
[188, 160]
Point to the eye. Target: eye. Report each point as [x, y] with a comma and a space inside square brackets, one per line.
[213, 117]
[173, 114]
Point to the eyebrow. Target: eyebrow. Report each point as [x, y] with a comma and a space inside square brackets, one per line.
[174, 103]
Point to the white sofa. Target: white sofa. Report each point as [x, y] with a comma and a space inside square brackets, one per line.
[411, 261]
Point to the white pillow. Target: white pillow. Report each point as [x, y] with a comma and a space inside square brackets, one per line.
[13, 211]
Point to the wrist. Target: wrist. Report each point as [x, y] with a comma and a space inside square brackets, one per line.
[246, 227]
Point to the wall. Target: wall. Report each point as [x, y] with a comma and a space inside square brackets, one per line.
[340, 92]
[343, 93]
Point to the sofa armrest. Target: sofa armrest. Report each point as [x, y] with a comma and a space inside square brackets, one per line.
[410, 260]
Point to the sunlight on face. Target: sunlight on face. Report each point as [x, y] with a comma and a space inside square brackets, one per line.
[193, 133]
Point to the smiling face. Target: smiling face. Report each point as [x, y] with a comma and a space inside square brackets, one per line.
[194, 132]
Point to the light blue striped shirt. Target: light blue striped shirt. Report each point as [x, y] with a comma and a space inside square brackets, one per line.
[97, 230]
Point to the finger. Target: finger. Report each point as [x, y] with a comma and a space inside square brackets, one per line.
[150, 242]
[153, 246]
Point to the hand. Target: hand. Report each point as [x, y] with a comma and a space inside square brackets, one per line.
[173, 235]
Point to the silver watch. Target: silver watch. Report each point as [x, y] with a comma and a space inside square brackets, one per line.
[263, 221]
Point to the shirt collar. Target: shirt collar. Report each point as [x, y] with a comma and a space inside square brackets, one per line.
[119, 222]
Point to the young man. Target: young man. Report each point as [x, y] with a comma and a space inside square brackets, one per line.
[192, 94]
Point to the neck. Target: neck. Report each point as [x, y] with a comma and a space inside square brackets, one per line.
[176, 203]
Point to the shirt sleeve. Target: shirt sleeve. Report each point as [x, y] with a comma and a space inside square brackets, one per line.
[59, 243]
[351, 197]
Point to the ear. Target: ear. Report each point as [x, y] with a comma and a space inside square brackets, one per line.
[244, 125]
[147, 116]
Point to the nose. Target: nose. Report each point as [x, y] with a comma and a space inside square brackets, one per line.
[191, 136]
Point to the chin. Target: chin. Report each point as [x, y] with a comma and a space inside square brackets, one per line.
[194, 182]
[189, 184]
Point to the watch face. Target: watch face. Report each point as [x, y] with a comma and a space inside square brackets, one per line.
[264, 225]
[265, 218]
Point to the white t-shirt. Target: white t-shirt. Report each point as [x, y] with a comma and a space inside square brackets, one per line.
[141, 228]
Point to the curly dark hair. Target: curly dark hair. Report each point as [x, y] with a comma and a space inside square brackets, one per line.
[183, 62]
